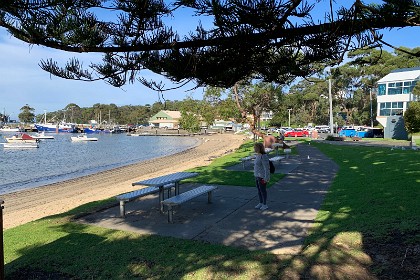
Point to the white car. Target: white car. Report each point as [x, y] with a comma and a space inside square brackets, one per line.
[284, 129]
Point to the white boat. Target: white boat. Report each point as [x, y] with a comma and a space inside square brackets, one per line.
[20, 145]
[9, 129]
[21, 138]
[83, 137]
[41, 135]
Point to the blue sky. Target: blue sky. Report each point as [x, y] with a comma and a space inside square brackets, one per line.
[23, 82]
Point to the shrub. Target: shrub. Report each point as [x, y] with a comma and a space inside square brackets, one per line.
[412, 118]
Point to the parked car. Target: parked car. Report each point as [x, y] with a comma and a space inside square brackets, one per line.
[348, 132]
[323, 128]
[374, 132]
[296, 133]
[284, 129]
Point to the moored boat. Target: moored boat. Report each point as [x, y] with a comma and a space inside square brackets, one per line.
[21, 138]
[55, 127]
[89, 130]
[20, 145]
[83, 137]
[10, 129]
[41, 135]
[60, 127]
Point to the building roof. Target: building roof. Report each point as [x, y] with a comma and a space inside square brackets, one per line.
[404, 74]
[167, 115]
[173, 114]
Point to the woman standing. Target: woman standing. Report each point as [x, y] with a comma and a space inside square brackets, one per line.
[262, 174]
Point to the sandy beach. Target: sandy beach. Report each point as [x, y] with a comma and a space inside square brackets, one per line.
[29, 205]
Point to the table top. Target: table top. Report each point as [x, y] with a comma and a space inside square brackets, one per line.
[166, 179]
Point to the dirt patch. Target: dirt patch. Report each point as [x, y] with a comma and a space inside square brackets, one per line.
[395, 257]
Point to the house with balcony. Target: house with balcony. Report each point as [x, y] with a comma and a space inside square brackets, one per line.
[395, 92]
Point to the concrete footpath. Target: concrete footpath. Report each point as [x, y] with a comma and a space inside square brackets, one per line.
[231, 219]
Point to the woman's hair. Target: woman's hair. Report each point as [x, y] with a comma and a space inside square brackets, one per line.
[259, 148]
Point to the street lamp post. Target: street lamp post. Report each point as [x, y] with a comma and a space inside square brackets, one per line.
[331, 107]
[289, 115]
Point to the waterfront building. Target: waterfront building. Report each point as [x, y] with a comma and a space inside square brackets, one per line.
[395, 92]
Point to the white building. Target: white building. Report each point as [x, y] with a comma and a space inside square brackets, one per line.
[166, 119]
[266, 116]
[395, 92]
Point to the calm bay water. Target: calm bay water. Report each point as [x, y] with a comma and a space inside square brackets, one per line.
[61, 159]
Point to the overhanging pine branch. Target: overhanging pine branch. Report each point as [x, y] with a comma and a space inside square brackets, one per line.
[339, 28]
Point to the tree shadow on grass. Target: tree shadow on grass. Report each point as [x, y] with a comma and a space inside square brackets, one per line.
[93, 253]
[368, 226]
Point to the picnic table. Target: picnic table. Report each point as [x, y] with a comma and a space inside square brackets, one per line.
[277, 146]
[161, 181]
[251, 157]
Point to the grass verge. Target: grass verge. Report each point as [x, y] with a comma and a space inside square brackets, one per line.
[216, 172]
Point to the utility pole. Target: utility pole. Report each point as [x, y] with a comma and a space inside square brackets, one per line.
[289, 115]
[331, 107]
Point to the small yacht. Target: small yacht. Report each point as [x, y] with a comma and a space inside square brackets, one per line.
[20, 145]
[21, 138]
[83, 137]
[42, 135]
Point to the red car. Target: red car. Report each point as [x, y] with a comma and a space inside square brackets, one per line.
[296, 133]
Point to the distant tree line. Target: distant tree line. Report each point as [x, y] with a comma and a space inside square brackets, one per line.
[103, 113]
[354, 86]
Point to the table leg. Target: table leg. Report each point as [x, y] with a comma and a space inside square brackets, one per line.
[161, 198]
[176, 188]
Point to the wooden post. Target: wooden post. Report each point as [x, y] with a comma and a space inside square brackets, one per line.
[1, 242]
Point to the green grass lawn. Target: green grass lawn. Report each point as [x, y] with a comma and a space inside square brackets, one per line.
[367, 227]
[216, 173]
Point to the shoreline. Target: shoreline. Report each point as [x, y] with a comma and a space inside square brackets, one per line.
[32, 204]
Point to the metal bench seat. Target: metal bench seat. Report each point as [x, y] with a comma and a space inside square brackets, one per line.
[188, 195]
[276, 158]
[246, 159]
[126, 197]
